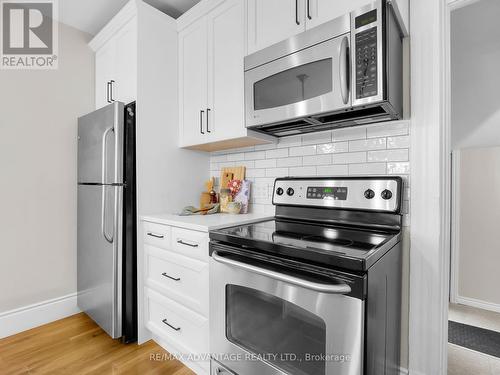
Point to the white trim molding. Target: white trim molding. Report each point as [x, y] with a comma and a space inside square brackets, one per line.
[456, 4]
[455, 225]
[27, 317]
[478, 304]
[430, 188]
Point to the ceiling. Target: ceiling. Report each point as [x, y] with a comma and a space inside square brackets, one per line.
[91, 15]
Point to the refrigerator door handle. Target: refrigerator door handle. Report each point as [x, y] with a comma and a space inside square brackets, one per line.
[104, 176]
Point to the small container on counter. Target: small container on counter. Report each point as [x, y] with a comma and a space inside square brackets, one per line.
[224, 199]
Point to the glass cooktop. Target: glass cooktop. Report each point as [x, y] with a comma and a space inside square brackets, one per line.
[341, 241]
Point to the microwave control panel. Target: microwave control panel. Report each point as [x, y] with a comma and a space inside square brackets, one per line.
[366, 63]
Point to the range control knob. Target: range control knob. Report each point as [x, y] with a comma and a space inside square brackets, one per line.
[369, 194]
[386, 194]
[279, 191]
[290, 191]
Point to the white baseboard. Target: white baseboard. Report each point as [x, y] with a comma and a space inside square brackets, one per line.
[477, 304]
[27, 317]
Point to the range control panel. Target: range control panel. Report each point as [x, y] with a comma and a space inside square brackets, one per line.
[370, 193]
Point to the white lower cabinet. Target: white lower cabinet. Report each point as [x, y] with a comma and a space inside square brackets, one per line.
[175, 286]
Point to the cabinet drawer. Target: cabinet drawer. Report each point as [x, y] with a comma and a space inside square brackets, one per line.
[157, 235]
[183, 328]
[178, 277]
[190, 243]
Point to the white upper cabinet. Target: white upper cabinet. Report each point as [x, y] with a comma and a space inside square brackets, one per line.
[116, 66]
[193, 83]
[271, 21]
[226, 49]
[211, 80]
[321, 11]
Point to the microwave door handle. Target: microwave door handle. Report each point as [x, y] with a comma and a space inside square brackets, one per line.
[344, 70]
[318, 287]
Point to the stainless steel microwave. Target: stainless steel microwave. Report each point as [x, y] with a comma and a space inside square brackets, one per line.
[346, 72]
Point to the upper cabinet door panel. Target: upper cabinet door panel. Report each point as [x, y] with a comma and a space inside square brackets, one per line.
[126, 63]
[321, 11]
[193, 83]
[271, 21]
[226, 50]
[104, 67]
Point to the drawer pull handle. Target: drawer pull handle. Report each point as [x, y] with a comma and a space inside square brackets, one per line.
[156, 235]
[171, 326]
[187, 244]
[170, 277]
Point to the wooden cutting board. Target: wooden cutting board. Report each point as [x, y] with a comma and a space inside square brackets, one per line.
[231, 173]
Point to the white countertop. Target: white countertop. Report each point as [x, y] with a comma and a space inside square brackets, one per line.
[204, 223]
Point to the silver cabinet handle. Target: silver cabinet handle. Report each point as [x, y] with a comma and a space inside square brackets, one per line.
[318, 287]
[309, 9]
[104, 176]
[111, 91]
[164, 274]
[108, 84]
[344, 69]
[164, 321]
[187, 244]
[151, 234]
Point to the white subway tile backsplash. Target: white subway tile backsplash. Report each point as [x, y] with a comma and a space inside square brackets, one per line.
[387, 129]
[368, 144]
[398, 142]
[236, 157]
[317, 160]
[289, 162]
[267, 163]
[303, 171]
[277, 172]
[332, 170]
[348, 134]
[304, 150]
[278, 153]
[398, 168]
[368, 169]
[379, 149]
[331, 148]
[289, 142]
[315, 138]
[388, 155]
[349, 158]
[255, 155]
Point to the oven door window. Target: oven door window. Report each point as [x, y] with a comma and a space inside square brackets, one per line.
[294, 85]
[276, 330]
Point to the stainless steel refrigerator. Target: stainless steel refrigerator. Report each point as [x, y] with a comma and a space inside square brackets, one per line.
[106, 261]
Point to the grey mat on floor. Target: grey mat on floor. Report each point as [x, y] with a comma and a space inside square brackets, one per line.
[474, 338]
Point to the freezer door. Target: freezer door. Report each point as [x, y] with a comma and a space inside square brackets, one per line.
[99, 260]
[100, 145]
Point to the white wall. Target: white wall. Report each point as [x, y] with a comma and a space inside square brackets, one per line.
[479, 216]
[38, 127]
[475, 56]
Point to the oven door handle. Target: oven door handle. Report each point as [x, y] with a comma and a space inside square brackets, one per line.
[318, 287]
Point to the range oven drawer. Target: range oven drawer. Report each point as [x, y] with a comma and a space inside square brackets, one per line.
[292, 323]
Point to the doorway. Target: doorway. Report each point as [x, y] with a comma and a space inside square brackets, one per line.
[474, 310]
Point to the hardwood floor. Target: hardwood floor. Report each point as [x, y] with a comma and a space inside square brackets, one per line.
[76, 345]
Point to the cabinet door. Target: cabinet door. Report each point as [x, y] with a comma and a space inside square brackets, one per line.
[226, 49]
[125, 75]
[321, 11]
[193, 83]
[104, 67]
[271, 21]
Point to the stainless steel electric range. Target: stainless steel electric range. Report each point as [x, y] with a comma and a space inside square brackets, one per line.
[317, 289]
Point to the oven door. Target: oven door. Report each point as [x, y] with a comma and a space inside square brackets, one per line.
[267, 321]
[307, 82]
